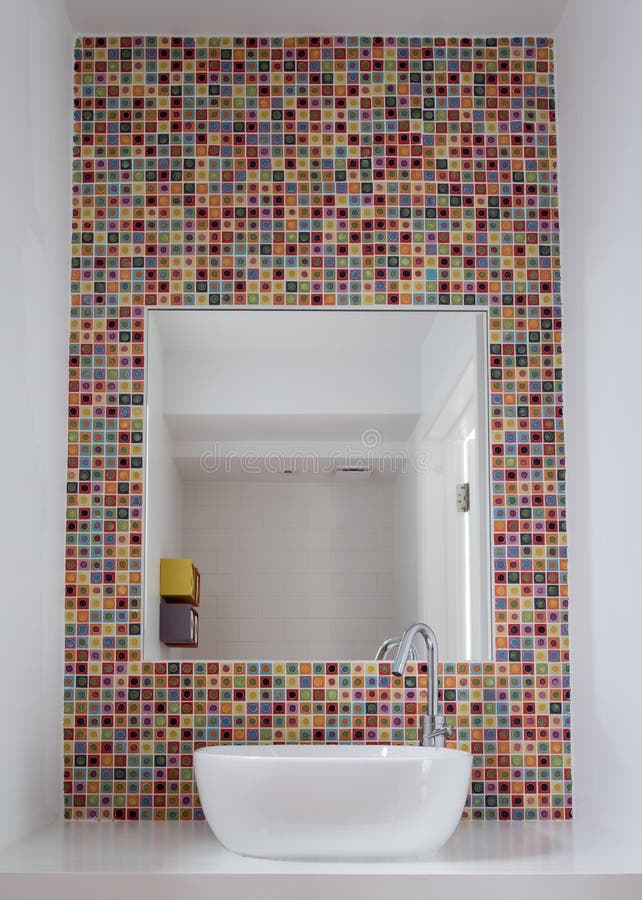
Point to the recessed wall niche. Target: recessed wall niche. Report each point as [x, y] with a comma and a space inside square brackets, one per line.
[312, 172]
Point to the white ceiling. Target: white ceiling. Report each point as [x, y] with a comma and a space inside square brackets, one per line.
[275, 17]
[311, 330]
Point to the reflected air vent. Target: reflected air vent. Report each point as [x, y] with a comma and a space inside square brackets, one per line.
[352, 473]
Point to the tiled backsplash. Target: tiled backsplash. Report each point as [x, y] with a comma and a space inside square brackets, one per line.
[276, 172]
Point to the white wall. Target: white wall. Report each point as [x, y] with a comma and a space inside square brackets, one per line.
[296, 571]
[35, 160]
[599, 79]
[163, 495]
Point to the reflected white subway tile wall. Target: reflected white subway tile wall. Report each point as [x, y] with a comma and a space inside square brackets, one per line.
[313, 588]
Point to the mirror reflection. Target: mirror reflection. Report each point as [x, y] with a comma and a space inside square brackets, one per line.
[314, 482]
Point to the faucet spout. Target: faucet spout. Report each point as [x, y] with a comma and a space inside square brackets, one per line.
[433, 726]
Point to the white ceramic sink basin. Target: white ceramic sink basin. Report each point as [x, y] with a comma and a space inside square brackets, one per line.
[332, 802]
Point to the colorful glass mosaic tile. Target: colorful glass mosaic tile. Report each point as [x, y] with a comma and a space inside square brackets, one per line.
[329, 172]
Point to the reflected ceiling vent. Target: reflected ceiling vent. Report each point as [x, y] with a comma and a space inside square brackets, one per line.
[353, 473]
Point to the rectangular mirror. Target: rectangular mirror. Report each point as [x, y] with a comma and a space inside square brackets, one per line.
[325, 474]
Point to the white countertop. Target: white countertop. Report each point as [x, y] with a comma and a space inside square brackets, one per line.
[190, 848]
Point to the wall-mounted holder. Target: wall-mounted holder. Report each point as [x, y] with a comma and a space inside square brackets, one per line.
[180, 588]
[180, 581]
[178, 625]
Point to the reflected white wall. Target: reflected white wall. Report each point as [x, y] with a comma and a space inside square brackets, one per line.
[163, 504]
[407, 540]
[291, 571]
[264, 382]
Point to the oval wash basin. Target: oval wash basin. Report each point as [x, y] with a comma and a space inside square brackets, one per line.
[332, 802]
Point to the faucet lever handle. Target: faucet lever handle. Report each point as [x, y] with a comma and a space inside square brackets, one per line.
[436, 730]
[392, 644]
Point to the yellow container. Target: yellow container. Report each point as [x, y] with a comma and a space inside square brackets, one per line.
[180, 581]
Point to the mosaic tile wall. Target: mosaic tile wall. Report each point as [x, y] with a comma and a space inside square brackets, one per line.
[312, 172]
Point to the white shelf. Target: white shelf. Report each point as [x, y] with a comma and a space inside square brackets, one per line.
[121, 860]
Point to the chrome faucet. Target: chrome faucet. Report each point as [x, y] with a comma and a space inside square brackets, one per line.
[392, 644]
[433, 730]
